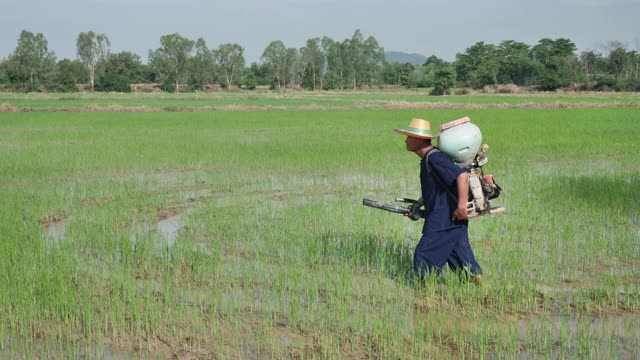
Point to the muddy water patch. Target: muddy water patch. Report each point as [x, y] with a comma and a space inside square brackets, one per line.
[194, 195]
[55, 227]
[572, 296]
[161, 176]
[571, 333]
[164, 229]
[169, 227]
[13, 348]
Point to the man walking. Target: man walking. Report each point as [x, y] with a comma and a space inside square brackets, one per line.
[445, 190]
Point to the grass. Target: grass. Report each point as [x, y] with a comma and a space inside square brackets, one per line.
[302, 99]
[276, 257]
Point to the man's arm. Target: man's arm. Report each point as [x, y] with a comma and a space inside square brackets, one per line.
[463, 193]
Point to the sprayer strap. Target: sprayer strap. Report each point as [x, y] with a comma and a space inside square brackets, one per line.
[435, 175]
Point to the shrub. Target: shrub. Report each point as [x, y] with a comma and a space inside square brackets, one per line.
[507, 89]
[462, 91]
[607, 84]
[631, 85]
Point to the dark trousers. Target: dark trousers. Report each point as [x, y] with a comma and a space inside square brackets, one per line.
[438, 248]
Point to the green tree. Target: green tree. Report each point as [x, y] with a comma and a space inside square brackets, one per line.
[418, 78]
[374, 60]
[547, 49]
[429, 69]
[621, 63]
[295, 67]
[202, 66]
[31, 62]
[436, 61]
[4, 79]
[120, 71]
[397, 73]
[67, 74]
[362, 60]
[561, 65]
[478, 66]
[336, 63]
[171, 59]
[444, 79]
[593, 64]
[515, 64]
[250, 79]
[230, 60]
[314, 63]
[262, 73]
[274, 57]
[92, 49]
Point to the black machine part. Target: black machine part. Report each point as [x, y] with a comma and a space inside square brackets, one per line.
[395, 208]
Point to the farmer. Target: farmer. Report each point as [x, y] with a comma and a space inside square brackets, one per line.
[445, 239]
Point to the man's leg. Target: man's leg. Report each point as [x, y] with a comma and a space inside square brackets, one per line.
[462, 258]
[431, 253]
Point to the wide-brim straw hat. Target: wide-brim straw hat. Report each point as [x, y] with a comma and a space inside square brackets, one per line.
[418, 128]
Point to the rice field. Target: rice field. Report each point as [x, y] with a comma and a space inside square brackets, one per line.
[241, 234]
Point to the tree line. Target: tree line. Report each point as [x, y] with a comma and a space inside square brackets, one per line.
[182, 64]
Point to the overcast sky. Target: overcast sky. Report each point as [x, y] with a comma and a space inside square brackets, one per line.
[441, 28]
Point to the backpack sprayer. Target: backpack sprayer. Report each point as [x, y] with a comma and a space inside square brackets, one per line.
[460, 140]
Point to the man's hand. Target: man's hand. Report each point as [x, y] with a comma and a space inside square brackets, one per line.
[461, 214]
[415, 211]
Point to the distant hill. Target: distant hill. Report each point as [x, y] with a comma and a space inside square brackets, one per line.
[402, 57]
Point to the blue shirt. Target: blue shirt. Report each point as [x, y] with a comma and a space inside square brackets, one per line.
[439, 205]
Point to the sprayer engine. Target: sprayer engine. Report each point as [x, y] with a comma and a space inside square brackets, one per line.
[460, 140]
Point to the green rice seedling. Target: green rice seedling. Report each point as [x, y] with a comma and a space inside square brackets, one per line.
[270, 253]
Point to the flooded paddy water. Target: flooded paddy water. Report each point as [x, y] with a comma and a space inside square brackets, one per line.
[55, 228]
[574, 335]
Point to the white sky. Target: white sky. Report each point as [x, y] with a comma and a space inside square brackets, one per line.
[441, 28]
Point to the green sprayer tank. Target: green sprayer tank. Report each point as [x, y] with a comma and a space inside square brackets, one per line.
[460, 139]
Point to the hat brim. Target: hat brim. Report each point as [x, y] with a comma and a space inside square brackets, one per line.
[415, 135]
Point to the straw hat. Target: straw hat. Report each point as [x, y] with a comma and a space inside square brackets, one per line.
[418, 128]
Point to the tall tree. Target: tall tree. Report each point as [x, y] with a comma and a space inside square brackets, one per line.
[230, 61]
[295, 67]
[170, 60]
[547, 49]
[621, 63]
[336, 56]
[362, 59]
[314, 62]
[202, 67]
[4, 79]
[374, 58]
[31, 61]
[436, 61]
[397, 73]
[478, 66]
[516, 66]
[356, 58]
[593, 64]
[275, 57]
[561, 66]
[92, 49]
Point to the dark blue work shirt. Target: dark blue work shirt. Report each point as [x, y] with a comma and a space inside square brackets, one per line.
[439, 205]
